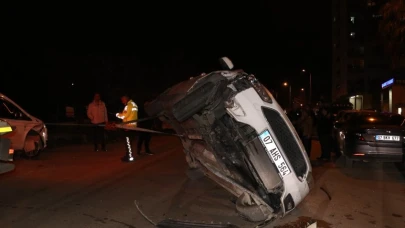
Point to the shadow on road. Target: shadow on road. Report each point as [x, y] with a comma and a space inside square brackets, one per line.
[203, 201]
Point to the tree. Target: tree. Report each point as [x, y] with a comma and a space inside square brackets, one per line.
[392, 30]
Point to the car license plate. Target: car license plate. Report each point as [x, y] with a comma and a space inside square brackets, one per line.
[388, 137]
[275, 153]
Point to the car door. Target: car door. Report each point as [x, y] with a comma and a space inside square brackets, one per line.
[17, 120]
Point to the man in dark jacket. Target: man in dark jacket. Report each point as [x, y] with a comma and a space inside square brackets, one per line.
[144, 137]
[324, 127]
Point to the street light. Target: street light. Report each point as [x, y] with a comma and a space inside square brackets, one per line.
[289, 93]
[310, 85]
[302, 89]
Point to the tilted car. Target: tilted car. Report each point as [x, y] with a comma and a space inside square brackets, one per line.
[236, 133]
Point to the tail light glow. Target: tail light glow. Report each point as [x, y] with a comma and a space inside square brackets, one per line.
[359, 154]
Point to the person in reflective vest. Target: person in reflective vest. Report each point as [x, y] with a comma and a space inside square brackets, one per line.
[129, 113]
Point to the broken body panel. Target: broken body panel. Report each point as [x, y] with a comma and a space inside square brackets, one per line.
[236, 133]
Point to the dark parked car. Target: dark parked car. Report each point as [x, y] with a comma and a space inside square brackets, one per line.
[372, 136]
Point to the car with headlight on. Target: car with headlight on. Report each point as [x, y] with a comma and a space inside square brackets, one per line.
[30, 134]
[235, 132]
[372, 136]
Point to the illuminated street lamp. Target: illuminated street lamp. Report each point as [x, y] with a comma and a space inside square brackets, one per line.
[310, 85]
[302, 89]
[289, 93]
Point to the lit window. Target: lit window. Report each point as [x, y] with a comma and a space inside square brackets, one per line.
[352, 20]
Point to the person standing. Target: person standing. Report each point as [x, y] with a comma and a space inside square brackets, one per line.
[324, 127]
[97, 113]
[305, 124]
[144, 137]
[130, 113]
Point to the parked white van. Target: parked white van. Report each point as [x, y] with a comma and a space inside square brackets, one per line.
[30, 134]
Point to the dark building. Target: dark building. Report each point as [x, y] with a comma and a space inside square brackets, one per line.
[358, 62]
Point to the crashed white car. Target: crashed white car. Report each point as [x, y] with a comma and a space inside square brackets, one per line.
[236, 133]
[29, 134]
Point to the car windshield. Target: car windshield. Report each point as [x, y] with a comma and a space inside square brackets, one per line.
[375, 119]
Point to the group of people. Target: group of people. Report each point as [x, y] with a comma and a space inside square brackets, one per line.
[306, 122]
[98, 115]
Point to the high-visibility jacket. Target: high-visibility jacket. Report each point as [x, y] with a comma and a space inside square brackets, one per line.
[129, 113]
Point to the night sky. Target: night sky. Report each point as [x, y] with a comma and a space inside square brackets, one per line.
[142, 49]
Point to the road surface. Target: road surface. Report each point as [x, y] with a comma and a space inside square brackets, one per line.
[74, 186]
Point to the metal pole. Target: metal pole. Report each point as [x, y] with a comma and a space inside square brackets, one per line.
[310, 87]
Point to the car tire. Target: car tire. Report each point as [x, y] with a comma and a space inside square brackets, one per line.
[193, 102]
[34, 153]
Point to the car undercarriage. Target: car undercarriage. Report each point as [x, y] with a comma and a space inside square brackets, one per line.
[217, 115]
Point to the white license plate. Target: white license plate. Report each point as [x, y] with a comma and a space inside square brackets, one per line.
[274, 153]
[387, 137]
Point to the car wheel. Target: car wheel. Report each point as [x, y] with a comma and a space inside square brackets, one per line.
[32, 146]
[193, 102]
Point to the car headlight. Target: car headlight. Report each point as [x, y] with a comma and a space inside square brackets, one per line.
[260, 89]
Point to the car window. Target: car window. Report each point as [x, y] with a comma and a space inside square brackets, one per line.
[375, 119]
[398, 119]
[9, 111]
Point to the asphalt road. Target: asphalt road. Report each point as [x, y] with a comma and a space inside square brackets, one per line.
[74, 186]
